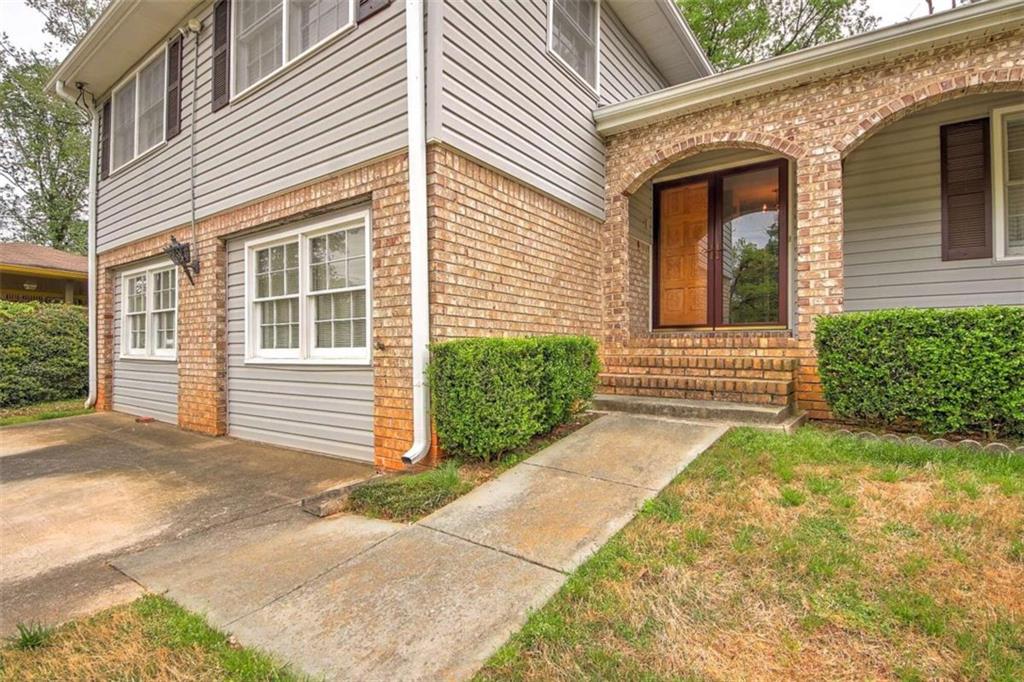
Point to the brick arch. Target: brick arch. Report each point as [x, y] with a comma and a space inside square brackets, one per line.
[651, 164]
[976, 82]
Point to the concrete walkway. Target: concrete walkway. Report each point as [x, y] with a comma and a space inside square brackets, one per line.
[352, 598]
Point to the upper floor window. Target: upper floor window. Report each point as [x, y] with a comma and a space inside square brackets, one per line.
[269, 33]
[138, 120]
[1008, 181]
[573, 36]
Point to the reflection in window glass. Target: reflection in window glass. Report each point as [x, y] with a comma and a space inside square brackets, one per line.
[574, 36]
[311, 21]
[258, 40]
[750, 247]
[151, 105]
[123, 126]
[1014, 190]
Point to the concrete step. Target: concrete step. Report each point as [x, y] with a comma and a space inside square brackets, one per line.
[678, 408]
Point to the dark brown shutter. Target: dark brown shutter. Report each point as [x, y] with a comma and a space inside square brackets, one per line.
[966, 191]
[105, 141]
[174, 88]
[221, 89]
[367, 8]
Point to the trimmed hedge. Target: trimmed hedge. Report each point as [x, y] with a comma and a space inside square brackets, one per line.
[945, 371]
[44, 352]
[491, 395]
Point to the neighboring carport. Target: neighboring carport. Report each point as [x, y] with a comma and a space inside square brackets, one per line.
[74, 493]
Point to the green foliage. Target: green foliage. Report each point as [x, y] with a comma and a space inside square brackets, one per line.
[945, 371]
[737, 32]
[31, 636]
[491, 395]
[44, 155]
[407, 498]
[43, 352]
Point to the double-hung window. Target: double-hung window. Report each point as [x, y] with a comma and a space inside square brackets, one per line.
[149, 305]
[138, 114]
[573, 36]
[269, 33]
[307, 293]
[1008, 181]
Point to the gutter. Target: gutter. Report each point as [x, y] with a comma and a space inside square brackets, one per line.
[810, 64]
[62, 91]
[419, 280]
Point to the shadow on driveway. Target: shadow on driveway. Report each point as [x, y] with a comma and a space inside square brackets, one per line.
[77, 492]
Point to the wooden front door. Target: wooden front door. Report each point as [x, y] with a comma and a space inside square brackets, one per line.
[682, 286]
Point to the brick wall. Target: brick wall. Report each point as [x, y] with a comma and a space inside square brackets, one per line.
[506, 260]
[815, 124]
[202, 371]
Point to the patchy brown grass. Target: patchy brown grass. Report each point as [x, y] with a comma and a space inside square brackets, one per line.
[149, 639]
[800, 557]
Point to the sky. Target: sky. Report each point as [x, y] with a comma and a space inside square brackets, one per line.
[25, 27]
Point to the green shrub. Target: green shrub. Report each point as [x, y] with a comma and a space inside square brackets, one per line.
[491, 395]
[945, 371]
[44, 352]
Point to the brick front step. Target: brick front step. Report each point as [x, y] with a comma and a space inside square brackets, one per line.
[677, 408]
[751, 391]
[705, 362]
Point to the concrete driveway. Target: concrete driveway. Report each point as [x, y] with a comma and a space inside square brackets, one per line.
[77, 493]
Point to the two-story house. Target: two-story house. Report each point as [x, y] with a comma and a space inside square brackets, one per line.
[357, 178]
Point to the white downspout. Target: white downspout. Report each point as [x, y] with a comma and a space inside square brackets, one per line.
[62, 90]
[418, 244]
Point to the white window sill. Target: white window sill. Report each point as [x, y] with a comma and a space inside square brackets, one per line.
[274, 75]
[564, 66]
[343, 362]
[150, 358]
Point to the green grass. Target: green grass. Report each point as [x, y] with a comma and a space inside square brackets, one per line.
[24, 414]
[813, 556]
[150, 638]
[408, 497]
[31, 636]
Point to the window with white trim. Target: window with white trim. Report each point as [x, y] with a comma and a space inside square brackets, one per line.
[307, 293]
[138, 114]
[1008, 181]
[573, 36]
[149, 304]
[267, 34]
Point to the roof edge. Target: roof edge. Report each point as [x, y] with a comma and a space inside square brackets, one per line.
[687, 37]
[95, 38]
[808, 64]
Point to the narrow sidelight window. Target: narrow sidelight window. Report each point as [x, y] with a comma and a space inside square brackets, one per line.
[1008, 181]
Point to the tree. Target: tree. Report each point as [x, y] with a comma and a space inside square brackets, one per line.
[68, 20]
[737, 32]
[44, 155]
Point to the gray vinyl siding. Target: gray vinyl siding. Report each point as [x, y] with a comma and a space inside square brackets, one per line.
[893, 235]
[339, 106]
[145, 388]
[508, 103]
[626, 72]
[320, 408]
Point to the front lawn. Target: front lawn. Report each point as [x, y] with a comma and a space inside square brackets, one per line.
[148, 639]
[40, 411]
[811, 556]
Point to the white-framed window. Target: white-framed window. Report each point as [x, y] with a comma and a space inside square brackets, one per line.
[149, 312]
[308, 293]
[574, 37]
[138, 115]
[267, 34]
[1008, 182]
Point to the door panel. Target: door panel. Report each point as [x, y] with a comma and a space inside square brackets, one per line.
[683, 256]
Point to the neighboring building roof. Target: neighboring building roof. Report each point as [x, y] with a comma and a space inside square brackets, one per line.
[986, 16]
[138, 26]
[24, 255]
